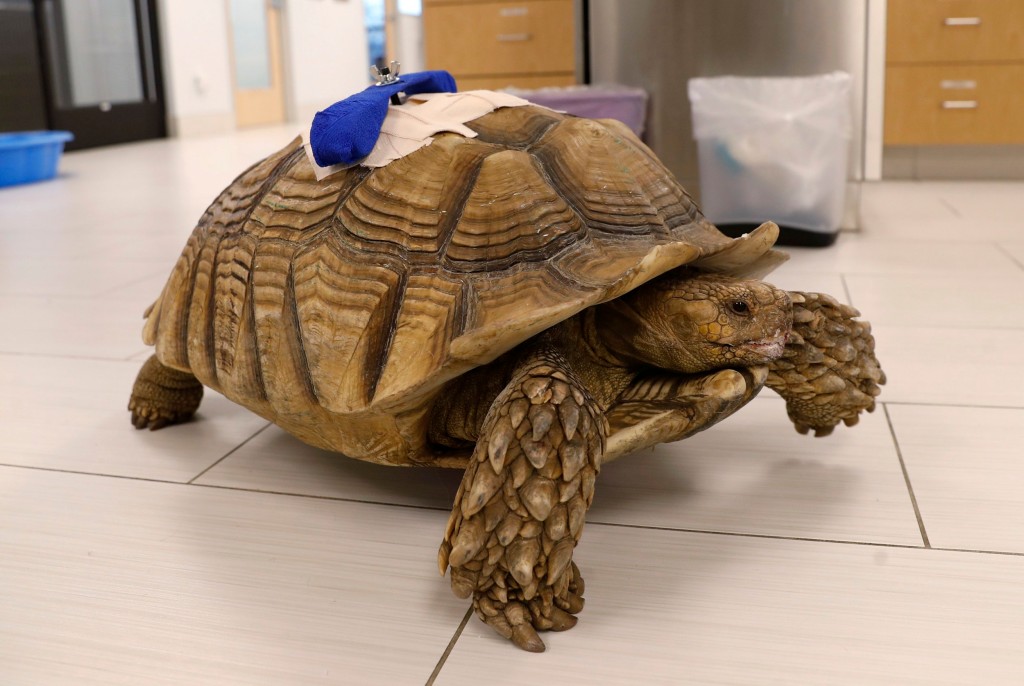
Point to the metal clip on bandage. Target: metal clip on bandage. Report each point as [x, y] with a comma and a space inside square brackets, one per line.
[386, 76]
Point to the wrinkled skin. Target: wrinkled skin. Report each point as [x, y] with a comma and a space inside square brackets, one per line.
[697, 324]
[681, 323]
[538, 447]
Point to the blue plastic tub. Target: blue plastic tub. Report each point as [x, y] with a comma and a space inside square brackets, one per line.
[30, 155]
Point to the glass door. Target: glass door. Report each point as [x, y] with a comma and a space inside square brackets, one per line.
[103, 70]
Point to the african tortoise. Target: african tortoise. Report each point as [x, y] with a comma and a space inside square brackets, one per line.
[525, 305]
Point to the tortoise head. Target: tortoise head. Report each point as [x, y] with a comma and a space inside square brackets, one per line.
[695, 323]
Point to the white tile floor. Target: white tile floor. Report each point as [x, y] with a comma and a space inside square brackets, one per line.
[225, 552]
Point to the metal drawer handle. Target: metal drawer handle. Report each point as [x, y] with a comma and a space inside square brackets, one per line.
[959, 104]
[513, 11]
[962, 21]
[952, 84]
[513, 37]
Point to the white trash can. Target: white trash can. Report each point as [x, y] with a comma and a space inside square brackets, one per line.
[774, 148]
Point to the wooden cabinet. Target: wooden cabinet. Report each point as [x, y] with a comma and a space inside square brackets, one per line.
[929, 31]
[954, 72]
[486, 44]
[954, 103]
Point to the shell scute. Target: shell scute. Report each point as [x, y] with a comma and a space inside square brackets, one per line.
[233, 356]
[612, 265]
[344, 310]
[513, 305]
[613, 188]
[287, 387]
[515, 127]
[297, 203]
[512, 214]
[431, 315]
[410, 205]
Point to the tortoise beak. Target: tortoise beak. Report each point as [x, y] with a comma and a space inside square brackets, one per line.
[769, 348]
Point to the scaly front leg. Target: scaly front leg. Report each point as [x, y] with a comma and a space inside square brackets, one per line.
[662, 407]
[828, 372]
[520, 509]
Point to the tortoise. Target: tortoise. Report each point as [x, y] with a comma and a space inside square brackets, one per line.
[524, 305]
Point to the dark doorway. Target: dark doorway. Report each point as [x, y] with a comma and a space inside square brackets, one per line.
[102, 68]
[22, 97]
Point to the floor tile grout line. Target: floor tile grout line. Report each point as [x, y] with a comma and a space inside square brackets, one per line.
[803, 539]
[60, 356]
[846, 289]
[80, 472]
[134, 282]
[906, 478]
[1009, 255]
[1007, 553]
[131, 358]
[952, 208]
[432, 508]
[221, 487]
[944, 326]
[769, 537]
[451, 646]
[229, 453]
[962, 406]
[313, 496]
[55, 296]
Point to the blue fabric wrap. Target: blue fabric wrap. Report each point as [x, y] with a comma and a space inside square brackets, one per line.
[346, 132]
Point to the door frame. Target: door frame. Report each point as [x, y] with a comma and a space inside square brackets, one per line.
[106, 123]
[277, 94]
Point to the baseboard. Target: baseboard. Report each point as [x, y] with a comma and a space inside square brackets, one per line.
[200, 125]
[851, 206]
[954, 162]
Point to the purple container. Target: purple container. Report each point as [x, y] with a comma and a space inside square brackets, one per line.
[628, 105]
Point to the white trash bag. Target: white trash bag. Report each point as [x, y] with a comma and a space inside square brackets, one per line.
[773, 148]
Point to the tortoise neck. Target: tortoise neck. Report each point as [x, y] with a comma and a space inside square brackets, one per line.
[605, 373]
[595, 344]
[612, 326]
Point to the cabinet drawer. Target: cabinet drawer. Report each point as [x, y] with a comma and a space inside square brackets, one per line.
[525, 81]
[968, 104]
[491, 38]
[955, 30]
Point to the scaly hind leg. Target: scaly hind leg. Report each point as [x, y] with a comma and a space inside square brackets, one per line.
[163, 396]
[520, 509]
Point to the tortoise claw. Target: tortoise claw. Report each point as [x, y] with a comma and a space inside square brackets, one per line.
[562, 620]
[525, 636]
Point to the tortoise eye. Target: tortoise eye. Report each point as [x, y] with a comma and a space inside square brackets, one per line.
[739, 307]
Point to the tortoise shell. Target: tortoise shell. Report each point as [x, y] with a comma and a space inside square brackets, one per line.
[339, 309]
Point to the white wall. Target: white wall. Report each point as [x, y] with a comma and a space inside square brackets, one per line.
[325, 60]
[409, 39]
[325, 43]
[874, 107]
[197, 66]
